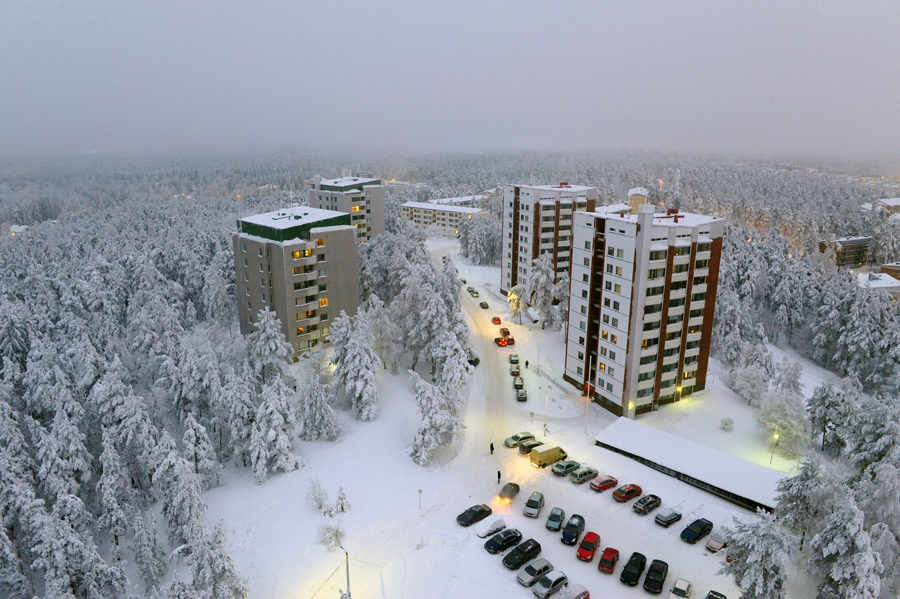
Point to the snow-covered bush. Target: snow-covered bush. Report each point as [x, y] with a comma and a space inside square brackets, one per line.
[316, 494]
[342, 504]
[331, 535]
[726, 424]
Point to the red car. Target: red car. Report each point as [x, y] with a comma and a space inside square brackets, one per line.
[510, 340]
[496, 320]
[608, 560]
[588, 547]
[626, 492]
[504, 332]
[602, 483]
[501, 341]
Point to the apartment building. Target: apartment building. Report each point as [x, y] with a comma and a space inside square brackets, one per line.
[641, 306]
[360, 197]
[849, 251]
[443, 217]
[537, 221]
[303, 264]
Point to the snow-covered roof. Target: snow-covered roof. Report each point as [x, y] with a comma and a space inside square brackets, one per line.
[347, 181]
[459, 200]
[711, 466]
[291, 217]
[18, 229]
[441, 208]
[614, 209]
[560, 187]
[638, 191]
[850, 240]
[866, 206]
[661, 219]
[890, 202]
[877, 280]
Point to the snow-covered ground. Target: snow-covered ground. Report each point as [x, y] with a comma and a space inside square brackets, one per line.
[401, 533]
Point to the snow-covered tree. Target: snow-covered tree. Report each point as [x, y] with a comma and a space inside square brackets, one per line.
[384, 330]
[113, 490]
[440, 425]
[314, 414]
[831, 412]
[843, 554]
[342, 504]
[198, 449]
[267, 349]
[751, 382]
[332, 536]
[515, 299]
[804, 499]
[761, 550]
[180, 487]
[356, 364]
[148, 552]
[271, 442]
[315, 493]
[64, 460]
[539, 288]
[786, 378]
[241, 412]
[213, 569]
[884, 543]
[875, 433]
[783, 417]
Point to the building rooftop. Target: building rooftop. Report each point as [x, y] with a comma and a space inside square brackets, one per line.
[614, 209]
[443, 208]
[290, 223]
[877, 280]
[559, 187]
[890, 202]
[661, 219]
[638, 191]
[459, 200]
[350, 182]
[852, 240]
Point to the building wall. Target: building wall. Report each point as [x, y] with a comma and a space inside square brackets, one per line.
[439, 217]
[305, 282]
[365, 207]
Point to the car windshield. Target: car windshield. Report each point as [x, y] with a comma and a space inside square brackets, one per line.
[678, 592]
[545, 582]
[587, 544]
[530, 569]
[605, 561]
[533, 502]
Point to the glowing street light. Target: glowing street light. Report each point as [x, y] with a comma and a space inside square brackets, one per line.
[774, 445]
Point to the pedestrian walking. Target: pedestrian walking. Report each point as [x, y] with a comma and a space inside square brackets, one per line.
[492, 449]
[526, 364]
[498, 477]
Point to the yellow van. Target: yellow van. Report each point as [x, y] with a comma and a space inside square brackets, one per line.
[541, 458]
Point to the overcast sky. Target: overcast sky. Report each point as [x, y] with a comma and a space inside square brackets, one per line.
[734, 78]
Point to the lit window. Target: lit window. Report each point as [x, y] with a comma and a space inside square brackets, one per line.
[323, 302]
[295, 254]
[320, 243]
[301, 330]
[307, 253]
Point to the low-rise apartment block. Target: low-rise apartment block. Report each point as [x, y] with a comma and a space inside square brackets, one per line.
[443, 217]
[641, 306]
[360, 197]
[303, 264]
[537, 221]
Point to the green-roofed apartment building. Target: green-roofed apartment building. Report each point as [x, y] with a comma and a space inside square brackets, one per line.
[360, 197]
[303, 264]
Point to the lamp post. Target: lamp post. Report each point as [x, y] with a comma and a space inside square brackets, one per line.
[347, 564]
[774, 445]
[678, 393]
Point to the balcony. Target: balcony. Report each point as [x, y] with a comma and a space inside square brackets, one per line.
[694, 351]
[677, 293]
[645, 384]
[655, 317]
[649, 351]
[673, 359]
[673, 343]
[697, 321]
[703, 255]
[699, 288]
[657, 264]
[701, 272]
[647, 367]
[305, 261]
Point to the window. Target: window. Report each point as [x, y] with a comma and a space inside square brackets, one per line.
[587, 262]
[608, 286]
[262, 282]
[262, 296]
[581, 325]
[609, 268]
[609, 387]
[301, 330]
[299, 316]
[250, 307]
[606, 319]
[323, 316]
[699, 280]
[583, 309]
[645, 392]
[611, 371]
[610, 251]
[581, 356]
[613, 339]
[698, 297]
[612, 355]
[260, 268]
[321, 272]
[648, 359]
[245, 263]
[247, 291]
[579, 370]
[587, 245]
[649, 342]
[656, 273]
[617, 288]
[298, 270]
[246, 278]
[658, 255]
[615, 305]
[584, 293]
[604, 335]
[615, 322]
[585, 278]
[259, 251]
[295, 254]
[602, 351]
[701, 264]
[620, 253]
[581, 341]
[702, 247]
[323, 301]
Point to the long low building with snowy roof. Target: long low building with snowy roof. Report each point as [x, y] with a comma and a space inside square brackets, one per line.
[445, 217]
[743, 483]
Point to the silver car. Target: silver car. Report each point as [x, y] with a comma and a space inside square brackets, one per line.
[534, 504]
[582, 474]
[534, 571]
[550, 584]
[518, 438]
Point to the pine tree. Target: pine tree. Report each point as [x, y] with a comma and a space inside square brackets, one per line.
[843, 554]
[181, 503]
[342, 504]
[13, 583]
[148, 553]
[384, 330]
[440, 425]
[830, 413]
[806, 498]
[751, 383]
[267, 349]
[875, 433]
[199, 450]
[213, 569]
[64, 461]
[356, 364]
[314, 414]
[113, 490]
[241, 413]
[783, 417]
[271, 444]
[539, 288]
[515, 299]
[760, 550]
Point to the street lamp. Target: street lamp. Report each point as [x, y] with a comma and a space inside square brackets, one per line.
[678, 393]
[774, 445]
[347, 563]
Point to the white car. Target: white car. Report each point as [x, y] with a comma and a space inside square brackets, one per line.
[550, 584]
[681, 590]
[716, 542]
[534, 571]
[534, 504]
[490, 528]
[582, 474]
[518, 438]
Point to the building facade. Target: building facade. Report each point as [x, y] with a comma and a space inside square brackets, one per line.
[302, 263]
[537, 221]
[641, 306]
[444, 217]
[360, 197]
[849, 251]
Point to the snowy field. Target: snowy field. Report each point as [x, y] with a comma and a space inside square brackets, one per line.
[401, 533]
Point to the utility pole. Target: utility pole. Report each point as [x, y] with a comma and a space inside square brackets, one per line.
[347, 564]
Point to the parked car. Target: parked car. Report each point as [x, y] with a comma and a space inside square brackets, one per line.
[577, 591]
[556, 518]
[495, 320]
[475, 294]
[503, 540]
[656, 576]
[514, 370]
[518, 382]
[484, 305]
[521, 554]
[573, 529]
[470, 289]
[534, 505]
[513, 358]
[518, 438]
[565, 467]
[631, 574]
[490, 528]
[715, 595]
[526, 447]
[696, 530]
[681, 589]
[608, 560]
[626, 492]
[501, 341]
[602, 483]
[646, 504]
[543, 457]
[474, 360]
[716, 542]
[582, 474]
[474, 514]
[508, 493]
[504, 332]
[550, 584]
[521, 395]
[510, 340]
[534, 571]
[463, 281]
[588, 547]
[667, 519]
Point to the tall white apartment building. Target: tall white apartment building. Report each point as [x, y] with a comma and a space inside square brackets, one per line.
[303, 264]
[641, 306]
[360, 197]
[537, 221]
